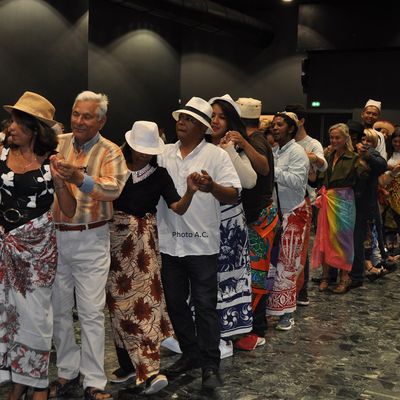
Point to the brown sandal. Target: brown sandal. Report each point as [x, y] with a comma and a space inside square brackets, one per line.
[342, 287]
[324, 284]
[92, 393]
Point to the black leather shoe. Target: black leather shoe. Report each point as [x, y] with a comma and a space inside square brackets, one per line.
[355, 284]
[182, 365]
[211, 379]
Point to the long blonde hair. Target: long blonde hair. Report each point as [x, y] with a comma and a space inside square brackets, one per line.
[372, 136]
[344, 130]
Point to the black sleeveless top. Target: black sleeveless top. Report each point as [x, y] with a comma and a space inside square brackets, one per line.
[31, 193]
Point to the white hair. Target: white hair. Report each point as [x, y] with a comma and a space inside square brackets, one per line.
[99, 98]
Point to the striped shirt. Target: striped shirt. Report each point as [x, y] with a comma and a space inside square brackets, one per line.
[105, 170]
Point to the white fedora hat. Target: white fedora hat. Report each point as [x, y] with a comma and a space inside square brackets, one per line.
[197, 108]
[229, 100]
[144, 138]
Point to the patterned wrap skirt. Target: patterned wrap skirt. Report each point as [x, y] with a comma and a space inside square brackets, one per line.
[289, 264]
[333, 244]
[28, 262]
[234, 274]
[261, 233]
[135, 296]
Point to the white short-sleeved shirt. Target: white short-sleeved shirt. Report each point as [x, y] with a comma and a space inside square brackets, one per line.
[197, 231]
[311, 145]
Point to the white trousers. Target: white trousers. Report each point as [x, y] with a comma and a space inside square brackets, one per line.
[83, 265]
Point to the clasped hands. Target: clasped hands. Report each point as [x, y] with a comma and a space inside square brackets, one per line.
[233, 138]
[200, 181]
[63, 171]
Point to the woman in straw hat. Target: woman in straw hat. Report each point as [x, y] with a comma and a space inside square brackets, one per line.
[28, 253]
[134, 293]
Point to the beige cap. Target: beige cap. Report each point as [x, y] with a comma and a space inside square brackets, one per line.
[250, 108]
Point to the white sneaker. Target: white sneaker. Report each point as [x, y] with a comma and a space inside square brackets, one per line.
[226, 348]
[286, 322]
[171, 344]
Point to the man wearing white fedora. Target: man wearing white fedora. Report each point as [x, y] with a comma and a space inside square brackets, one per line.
[97, 171]
[189, 244]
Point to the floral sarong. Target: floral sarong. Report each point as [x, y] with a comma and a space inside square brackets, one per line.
[290, 261]
[135, 296]
[234, 275]
[261, 234]
[28, 262]
[333, 244]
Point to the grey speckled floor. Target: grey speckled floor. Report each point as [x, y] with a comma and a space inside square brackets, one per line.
[342, 347]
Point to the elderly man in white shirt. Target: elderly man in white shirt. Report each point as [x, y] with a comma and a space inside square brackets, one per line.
[189, 244]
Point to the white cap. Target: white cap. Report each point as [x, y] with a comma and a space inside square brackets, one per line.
[373, 103]
[250, 108]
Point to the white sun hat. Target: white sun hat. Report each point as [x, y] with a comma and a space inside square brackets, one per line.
[144, 138]
[198, 108]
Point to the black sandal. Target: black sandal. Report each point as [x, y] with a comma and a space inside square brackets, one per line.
[92, 393]
[58, 389]
[373, 276]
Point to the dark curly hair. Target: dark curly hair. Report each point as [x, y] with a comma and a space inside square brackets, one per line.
[45, 137]
[291, 122]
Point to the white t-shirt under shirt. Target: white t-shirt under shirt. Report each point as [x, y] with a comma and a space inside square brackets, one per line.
[197, 231]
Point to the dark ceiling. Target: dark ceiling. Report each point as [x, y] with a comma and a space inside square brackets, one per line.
[254, 6]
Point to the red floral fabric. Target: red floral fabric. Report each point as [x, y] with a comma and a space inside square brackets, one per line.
[135, 296]
[28, 261]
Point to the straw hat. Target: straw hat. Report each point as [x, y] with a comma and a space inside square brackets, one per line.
[35, 105]
[144, 138]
